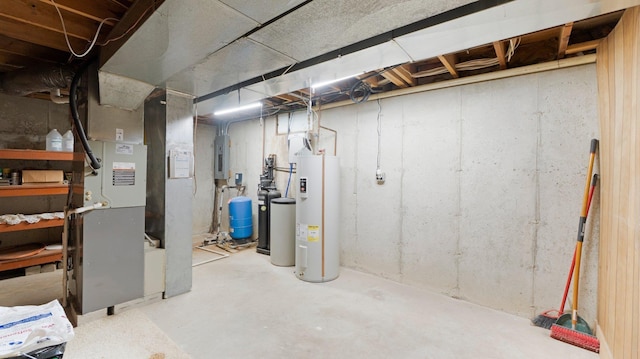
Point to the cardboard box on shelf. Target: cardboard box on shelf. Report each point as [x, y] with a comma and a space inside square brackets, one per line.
[42, 176]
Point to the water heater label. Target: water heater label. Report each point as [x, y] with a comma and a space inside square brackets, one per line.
[313, 233]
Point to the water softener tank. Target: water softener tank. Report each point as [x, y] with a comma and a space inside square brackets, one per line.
[264, 219]
[240, 223]
[283, 232]
[318, 218]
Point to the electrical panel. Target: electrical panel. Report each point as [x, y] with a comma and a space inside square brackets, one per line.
[221, 157]
[121, 181]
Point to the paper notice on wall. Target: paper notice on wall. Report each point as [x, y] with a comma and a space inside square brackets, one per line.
[313, 233]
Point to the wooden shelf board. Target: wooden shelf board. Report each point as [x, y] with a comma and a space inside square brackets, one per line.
[46, 256]
[22, 226]
[12, 154]
[34, 190]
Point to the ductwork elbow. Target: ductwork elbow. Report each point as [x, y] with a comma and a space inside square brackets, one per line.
[30, 80]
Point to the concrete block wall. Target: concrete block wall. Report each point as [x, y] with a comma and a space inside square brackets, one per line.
[483, 188]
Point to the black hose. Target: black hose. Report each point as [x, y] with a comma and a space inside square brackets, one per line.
[73, 104]
[359, 92]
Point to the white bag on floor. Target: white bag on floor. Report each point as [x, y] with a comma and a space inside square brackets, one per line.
[27, 328]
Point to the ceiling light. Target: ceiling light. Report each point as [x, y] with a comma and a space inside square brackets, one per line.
[325, 83]
[237, 109]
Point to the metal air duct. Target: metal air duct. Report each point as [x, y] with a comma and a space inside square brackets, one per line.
[29, 80]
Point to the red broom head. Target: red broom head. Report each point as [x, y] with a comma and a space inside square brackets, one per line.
[575, 337]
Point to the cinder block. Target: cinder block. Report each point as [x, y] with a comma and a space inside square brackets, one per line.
[49, 267]
[32, 270]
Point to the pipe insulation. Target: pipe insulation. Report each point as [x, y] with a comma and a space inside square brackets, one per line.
[45, 78]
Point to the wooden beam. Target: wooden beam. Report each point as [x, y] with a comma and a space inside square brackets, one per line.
[404, 72]
[23, 48]
[94, 10]
[21, 31]
[371, 81]
[394, 78]
[287, 97]
[583, 46]
[46, 17]
[498, 46]
[563, 40]
[449, 61]
[18, 61]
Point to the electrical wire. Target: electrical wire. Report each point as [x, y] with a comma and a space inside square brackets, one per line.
[135, 24]
[66, 35]
[474, 64]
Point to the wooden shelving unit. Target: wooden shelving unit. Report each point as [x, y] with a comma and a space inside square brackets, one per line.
[44, 257]
[25, 190]
[44, 223]
[39, 155]
[46, 189]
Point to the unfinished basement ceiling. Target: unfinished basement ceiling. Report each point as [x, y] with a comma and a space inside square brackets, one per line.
[233, 51]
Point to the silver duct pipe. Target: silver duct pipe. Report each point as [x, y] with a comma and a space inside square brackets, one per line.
[29, 80]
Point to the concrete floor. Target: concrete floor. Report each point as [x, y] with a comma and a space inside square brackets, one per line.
[244, 307]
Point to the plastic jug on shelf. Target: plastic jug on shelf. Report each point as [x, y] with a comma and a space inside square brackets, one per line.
[67, 141]
[54, 141]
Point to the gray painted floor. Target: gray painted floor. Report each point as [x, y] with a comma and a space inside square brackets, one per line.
[244, 307]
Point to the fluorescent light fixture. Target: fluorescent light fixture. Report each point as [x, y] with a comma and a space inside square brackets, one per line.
[238, 109]
[325, 83]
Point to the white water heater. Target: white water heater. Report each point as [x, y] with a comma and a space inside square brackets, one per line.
[318, 218]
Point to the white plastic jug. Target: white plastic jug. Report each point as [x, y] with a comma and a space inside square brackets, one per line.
[54, 141]
[67, 141]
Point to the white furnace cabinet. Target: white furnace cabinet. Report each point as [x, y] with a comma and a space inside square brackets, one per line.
[318, 218]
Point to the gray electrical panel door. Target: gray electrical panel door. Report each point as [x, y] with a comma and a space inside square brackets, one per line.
[112, 264]
[221, 158]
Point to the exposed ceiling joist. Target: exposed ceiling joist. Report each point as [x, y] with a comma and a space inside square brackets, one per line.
[498, 46]
[394, 78]
[30, 50]
[563, 40]
[581, 47]
[449, 61]
[94, 10]
[404, 72]
[28, 33]
[46, 17]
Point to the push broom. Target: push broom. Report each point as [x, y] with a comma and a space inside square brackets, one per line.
[548, 318]
[576, 331]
